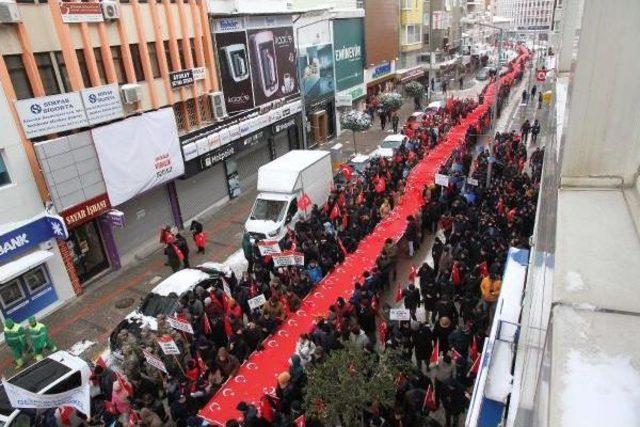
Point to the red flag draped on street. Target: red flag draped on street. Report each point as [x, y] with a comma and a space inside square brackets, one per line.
[435, 354]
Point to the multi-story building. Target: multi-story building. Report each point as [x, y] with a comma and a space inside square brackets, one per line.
[99, 93]
[411, 24]
[382, 37]
[526, 15]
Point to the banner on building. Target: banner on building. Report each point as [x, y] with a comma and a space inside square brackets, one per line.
[20, 398]
[102, 103]
[273, 63]
[316, 68]
[348, 41]
[138, 154]
[75, 12]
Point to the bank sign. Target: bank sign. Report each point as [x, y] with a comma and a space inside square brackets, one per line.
[348, 41]
[39, 229]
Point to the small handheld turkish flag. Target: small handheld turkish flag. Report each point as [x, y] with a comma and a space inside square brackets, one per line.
[412, 274]
[435, 355]
[347, 172]
[304, 202]
[473, 348]
[430, 399]
[474, 367]
[399, 292]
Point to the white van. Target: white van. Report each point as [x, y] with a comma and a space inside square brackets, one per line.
[281, 184]
[57, 373]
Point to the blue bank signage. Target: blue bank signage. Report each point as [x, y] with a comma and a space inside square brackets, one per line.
[24, 237]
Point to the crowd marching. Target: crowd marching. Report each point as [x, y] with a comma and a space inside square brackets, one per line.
[473, 225]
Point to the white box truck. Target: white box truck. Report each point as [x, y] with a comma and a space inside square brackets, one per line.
[281, 184]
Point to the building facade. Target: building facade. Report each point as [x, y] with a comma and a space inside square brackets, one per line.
[411, 26]
[382, 36]
[526, 15]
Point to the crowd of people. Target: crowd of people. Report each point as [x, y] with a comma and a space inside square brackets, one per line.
[474, 225]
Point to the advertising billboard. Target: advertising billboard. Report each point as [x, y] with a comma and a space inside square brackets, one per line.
[316, 69]
[273, 63]
[348, 40]
[235, 71]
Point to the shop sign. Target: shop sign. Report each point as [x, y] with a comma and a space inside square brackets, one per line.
[358, 92]
[348, 41]
[252, 140]
[315, 65]
[198, 73]
[216, 157]
[228, 24]
[51, 114]
[190, 151]
[279, 127]
[115, 218]
[102, 103]
[381, 70]
[181, 78]
[75, 12]
[38, 230]
[86, 211]
[343, 100]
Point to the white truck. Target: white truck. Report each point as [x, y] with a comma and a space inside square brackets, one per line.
[281, 184]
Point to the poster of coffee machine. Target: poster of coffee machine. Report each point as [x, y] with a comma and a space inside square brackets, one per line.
[235, 71]
[273, 63]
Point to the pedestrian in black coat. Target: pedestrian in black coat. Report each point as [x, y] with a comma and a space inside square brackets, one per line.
[411, 299]
[453, 401]
[182, 244]
[423, 345]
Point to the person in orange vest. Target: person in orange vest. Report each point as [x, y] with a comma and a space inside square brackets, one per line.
[490, 289]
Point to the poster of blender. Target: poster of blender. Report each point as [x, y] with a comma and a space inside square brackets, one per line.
[316, 69]
[273, 63]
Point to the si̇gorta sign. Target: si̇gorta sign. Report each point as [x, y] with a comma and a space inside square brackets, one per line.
[31, 233]
[20, 398]
[72, 110]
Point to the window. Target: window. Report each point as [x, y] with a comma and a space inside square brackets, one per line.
[47, 73]
[11, 293]
[18, 75]
[64, 75]
[153, 57]
[183, 64]
[412, 34]
[84, 69]
[97, 53]
[5, 179]
[167, 52]
[408, 4]
[137, 62]
[116, 53]
[35, 279]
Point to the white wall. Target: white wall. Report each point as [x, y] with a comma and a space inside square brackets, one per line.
[247, 6]
[603, 134]
[312, 31]
[20, 199]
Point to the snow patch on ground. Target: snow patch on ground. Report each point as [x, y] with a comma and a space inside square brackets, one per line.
[574, 282]
[237, 262]
[600, 390]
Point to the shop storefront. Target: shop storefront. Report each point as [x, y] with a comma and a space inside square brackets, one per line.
[381, 78]
[321, 119]
[144, 195]
[33, 280]
[221, 162]
[87, 246]
[72, 172]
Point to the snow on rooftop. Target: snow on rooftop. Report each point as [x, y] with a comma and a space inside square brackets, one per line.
[600, 390]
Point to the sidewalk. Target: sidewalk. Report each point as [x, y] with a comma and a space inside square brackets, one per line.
[107, 301]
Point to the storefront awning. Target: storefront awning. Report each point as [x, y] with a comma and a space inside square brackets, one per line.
[18, 237]
[13, 269]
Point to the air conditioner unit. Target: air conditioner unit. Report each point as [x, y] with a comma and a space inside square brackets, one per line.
[131, 93]
[110, 10]
[9, 13]
[218, 106]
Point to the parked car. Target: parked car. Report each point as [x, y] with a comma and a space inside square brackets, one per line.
[57, 373]
[390, 143]
[435, 106]
[357, 162]
[164, 298]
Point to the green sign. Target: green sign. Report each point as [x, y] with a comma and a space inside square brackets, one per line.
[348, 41]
